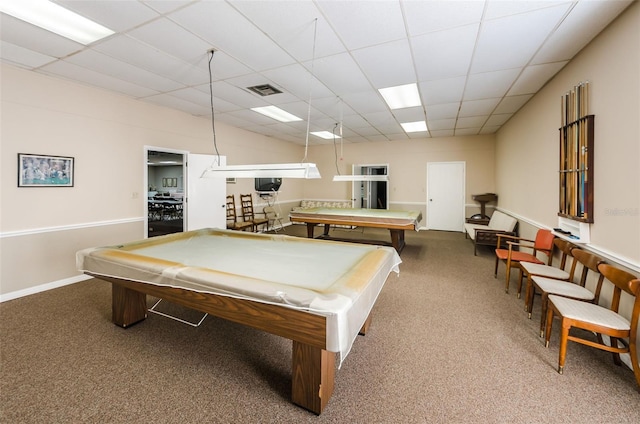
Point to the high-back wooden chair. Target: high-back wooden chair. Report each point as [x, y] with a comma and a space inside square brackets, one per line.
[548, 286]
[232, 219]
[248, 214]
[513, 255]
[602, 320]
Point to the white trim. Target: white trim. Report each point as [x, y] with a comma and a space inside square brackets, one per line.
[33, 231]
[606, 254]
[43, 287]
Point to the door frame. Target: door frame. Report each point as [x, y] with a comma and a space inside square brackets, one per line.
[357, 169]
[145, 182]
[464, 188]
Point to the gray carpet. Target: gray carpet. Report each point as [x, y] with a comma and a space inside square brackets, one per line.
[446, 345]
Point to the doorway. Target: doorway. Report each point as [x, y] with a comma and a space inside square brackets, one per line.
[445, 196]
[165, 184]
[370, 194]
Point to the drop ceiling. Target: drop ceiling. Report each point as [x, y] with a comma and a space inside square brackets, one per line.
[475, 62]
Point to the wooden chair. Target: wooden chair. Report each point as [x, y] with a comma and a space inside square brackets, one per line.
[248, 215]
[604, 321]
[548, 271]
[512, 257]
[232, 218]
[549, 286]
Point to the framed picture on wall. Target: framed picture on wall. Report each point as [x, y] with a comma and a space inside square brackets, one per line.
[44, 170]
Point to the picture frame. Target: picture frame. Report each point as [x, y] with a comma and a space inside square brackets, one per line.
[36, 170]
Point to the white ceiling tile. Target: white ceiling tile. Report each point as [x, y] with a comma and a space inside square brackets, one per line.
[99, 62]
[500, 8]
[115, 15]
[441, 124]
[340, 74]
[298, 81]
[443, 111]
[490, 84]
[296, 36]
[512, 104]
[23, 57]
[534, 77]
[172, 39]
[162, 57]
[444, 54]
[498, 119]
[430, 16]
[366, 102]
[467, 131]
[227, 30]
[585, 20]
[166, 6]
[478, 107]
[388, 64]
[76, 73]
[512, 41]
[361, 24]
[412, 114]
[441, 133]
[442, 90]
[471, 122]
[22, 34]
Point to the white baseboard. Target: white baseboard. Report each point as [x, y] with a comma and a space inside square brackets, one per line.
[43, 287]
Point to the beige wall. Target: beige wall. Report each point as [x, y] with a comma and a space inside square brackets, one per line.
[42, 228]
[407, 164]
[528, 145]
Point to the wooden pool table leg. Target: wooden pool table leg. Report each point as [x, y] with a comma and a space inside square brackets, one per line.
[313, 377]
[397, 239]
[310, 228]
[127, 306]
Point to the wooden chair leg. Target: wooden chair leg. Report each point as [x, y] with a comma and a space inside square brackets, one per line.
[547, 335]
[520, 282]
[544, 298]
[530, 292]
[564, 341]
[616, 355]
[508, 277]
[495, 271]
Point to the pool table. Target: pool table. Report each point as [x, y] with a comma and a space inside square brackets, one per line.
[395, 221]
[317, 293]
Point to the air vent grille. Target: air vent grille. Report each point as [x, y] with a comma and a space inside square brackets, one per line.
[264, 89]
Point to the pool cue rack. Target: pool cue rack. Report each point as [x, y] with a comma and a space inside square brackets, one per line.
[576, 156]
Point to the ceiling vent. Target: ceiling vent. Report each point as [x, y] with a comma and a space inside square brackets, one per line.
[264, 90]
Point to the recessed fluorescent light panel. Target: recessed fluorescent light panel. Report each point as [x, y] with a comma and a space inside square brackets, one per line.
[401, 96]
[276, 113]
[325, 134]
[410, 127]
[57, 19]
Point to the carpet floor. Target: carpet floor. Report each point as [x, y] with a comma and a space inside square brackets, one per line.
[446, 345]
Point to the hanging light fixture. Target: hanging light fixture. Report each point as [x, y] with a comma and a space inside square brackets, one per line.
[352, 178]
[303, 169]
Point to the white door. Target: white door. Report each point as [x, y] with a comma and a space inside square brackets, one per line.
[206, 197]
[445, 196]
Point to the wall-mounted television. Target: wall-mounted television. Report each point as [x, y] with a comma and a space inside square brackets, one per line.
[264, 185]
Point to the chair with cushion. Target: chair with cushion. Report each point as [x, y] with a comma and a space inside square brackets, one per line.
[604, 321]
[512, 257]
[548, 286]
[548, 271]
[248, 214]
[232, 219]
